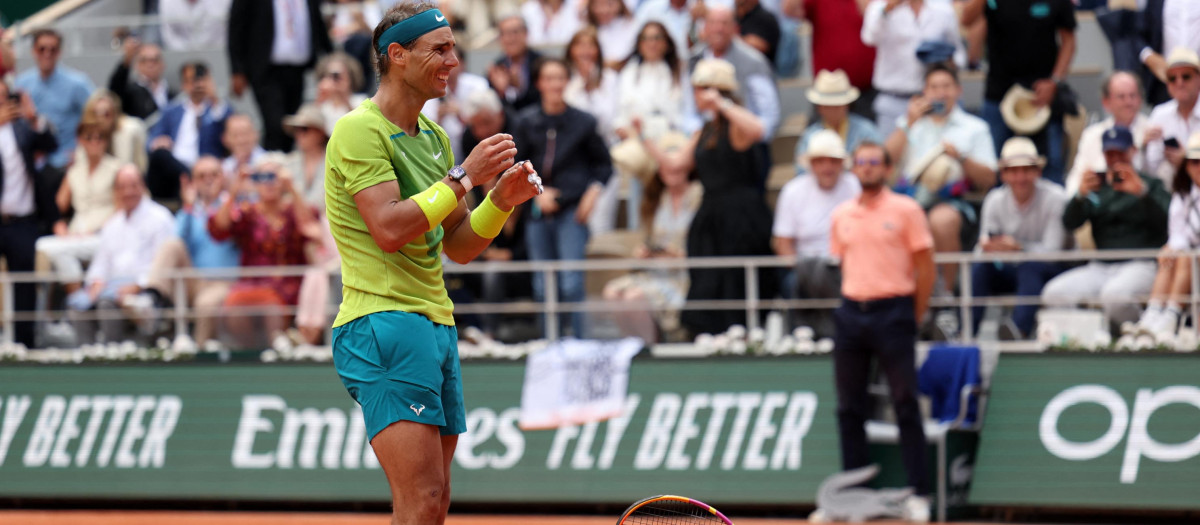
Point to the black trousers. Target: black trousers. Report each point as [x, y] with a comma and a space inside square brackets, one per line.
[886, 330]
[278, 91]
[18, 239]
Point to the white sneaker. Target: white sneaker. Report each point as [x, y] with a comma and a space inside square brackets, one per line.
[916, 509]
[1166, 322]
[818, 516]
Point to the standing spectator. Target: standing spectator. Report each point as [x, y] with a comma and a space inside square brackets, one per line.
[339, 87]
[1165, 26]
[887, 278]
[593, 87]
[1128, 211]
[1029, 43]
[138, 80]
[1173, 282]
[651, 84]
[573, 160]
[194, 25]
[1173, 121]
[1023, 215]
[802, 217]
[241, 140]
[674, 15]
[512, 74]
[58, 92]
[934, 122]
[127, 135]
[307, 162]
[1121, 96]
[756, 85]
[25, 199]
[831, 96]
[187, 129]
[271, 45]
[351, 29]
[551, 22]
[733, 219]
[88, 190]
[837, 42]
[759, 28]
[897, 28]
[195, 247]
[615, 29]
[128, 242]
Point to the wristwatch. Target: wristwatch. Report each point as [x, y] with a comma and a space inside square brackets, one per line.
[458, 174]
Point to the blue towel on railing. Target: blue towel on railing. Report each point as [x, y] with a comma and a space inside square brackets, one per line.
[944, 374]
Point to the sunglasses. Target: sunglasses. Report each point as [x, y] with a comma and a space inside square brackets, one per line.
[262, 177]
[1186, 77]
[868, 162]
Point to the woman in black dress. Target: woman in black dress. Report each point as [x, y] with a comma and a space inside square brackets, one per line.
[733, 219]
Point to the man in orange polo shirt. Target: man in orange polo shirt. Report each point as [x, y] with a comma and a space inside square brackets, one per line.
[886, 249]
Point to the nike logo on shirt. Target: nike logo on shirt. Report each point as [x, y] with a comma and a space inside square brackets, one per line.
[437, 155]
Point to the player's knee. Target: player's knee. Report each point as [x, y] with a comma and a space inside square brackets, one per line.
[424, 505]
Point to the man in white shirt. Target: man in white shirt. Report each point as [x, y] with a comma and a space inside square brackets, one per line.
[1173, 121]
[193, 25]
[1166, 25]
[128, 243]
[803, 215]
[896, 28]
[1121, 96]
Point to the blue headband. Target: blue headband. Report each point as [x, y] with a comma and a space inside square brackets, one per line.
[412, 28]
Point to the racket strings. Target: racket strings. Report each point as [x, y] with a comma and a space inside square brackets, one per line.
[671, 512]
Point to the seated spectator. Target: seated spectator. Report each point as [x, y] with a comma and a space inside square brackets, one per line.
[1121, 96]
[307, 162]
[119, 270]
[194, 247]
[88, 190]
[58, 91]
[759, 28]
[127, 135]
[652, 84]
[551, 22]
[272, 231]
[241, 140]
[802, 220]
[897, 30]
[1024, 215]
[1173, 282]
[193, 25]
[564, 146]
[675, 17]
[1128, 211]
[1172, 121]
[615, 30]
[339, 87]
[656, 296]
[187, 129]
[936, 122]
[831, 96]
[511, 75]
[143, 90]
[756, 80]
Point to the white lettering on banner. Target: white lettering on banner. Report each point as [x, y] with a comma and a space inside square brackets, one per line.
[674, 424]
[582, 458]
[313, 422]
[60, 440]
[343, 436]
[1139, 442]
[14, 413]
[482, 424]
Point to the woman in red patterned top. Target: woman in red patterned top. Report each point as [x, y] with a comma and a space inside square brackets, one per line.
[273, 230]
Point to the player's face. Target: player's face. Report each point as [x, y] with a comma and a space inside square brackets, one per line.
[430, 62]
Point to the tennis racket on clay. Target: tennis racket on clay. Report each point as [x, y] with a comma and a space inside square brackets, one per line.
[672, 510]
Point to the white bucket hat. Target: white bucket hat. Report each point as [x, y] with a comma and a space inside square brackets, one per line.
[832, 88]
[1193, 146]
[715, 73]
[1020, 151]
[1019, 112]
[1182, 56]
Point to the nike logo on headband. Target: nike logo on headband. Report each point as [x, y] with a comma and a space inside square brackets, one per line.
[439, 18]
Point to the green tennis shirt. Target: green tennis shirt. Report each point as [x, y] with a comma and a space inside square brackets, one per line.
[367, 149]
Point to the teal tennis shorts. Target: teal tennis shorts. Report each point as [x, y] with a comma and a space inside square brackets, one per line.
[401, 366]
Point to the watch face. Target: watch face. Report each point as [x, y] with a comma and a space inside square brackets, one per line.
[457, 173]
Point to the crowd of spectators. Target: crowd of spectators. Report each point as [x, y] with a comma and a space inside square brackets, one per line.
[650, 116]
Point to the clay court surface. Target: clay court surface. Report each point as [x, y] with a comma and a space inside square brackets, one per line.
[46, 517]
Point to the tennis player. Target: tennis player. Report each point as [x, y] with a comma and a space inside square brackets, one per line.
[393, 196]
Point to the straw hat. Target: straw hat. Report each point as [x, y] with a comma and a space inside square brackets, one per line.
[308, 116]
[1193, 146]
[826, 143]
[1019, 112]
[1182, 56]
[1020, 151]
[715, 73]
[631, 157]
[832, 88]
[935, 170]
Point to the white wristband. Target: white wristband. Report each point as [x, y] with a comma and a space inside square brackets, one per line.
[466, 183]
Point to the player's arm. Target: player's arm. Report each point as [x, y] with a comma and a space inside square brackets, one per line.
[468, 234]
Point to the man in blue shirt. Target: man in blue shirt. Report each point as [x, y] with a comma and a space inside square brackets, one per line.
[59, 92]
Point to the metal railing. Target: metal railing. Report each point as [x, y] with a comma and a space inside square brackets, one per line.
[752, 304]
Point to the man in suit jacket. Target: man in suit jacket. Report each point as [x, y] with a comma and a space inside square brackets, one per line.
[274, 63]
[512, 74]
[142, 90]
[188, 129]
[25, 199]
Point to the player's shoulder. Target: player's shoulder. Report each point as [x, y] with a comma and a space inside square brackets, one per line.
[360, 123]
